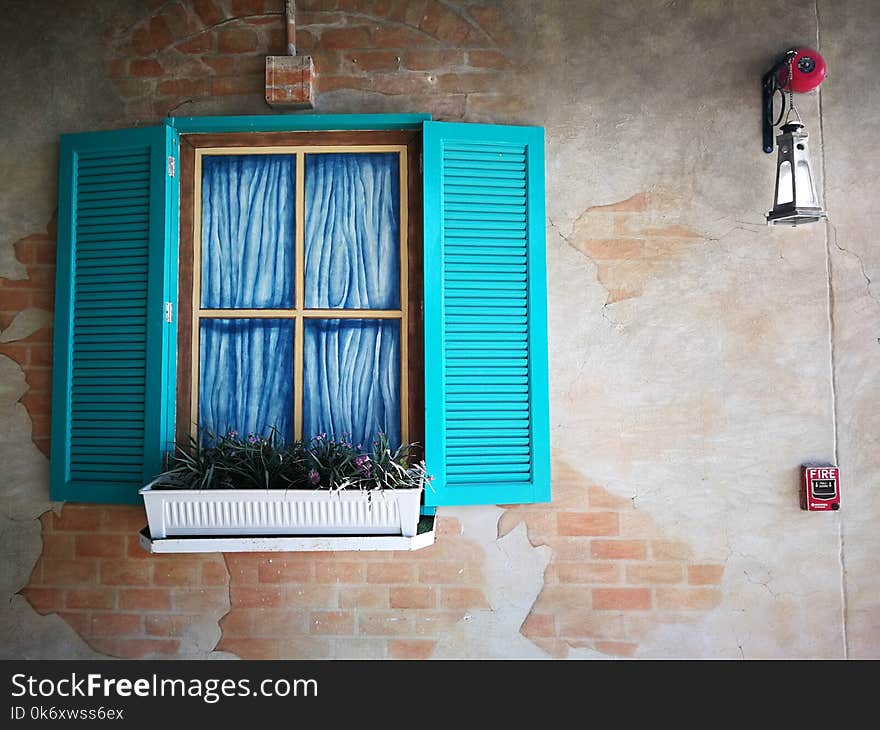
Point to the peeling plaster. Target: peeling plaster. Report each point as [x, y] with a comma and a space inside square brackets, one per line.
[514, 571]
[25, 324]
[26, 635]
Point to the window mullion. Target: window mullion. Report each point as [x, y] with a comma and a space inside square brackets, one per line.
[299, 295]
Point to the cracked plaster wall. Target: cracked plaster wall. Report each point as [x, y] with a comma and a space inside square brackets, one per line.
[722, 361]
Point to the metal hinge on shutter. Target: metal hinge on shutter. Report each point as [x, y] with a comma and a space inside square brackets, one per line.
[169, 312]
[171, 165]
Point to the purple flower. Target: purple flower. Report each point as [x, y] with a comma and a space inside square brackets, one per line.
[362, 462]
[314, 477]
[232, 434]
[252, 439]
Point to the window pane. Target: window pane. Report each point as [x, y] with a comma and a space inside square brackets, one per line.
[352, 231]
[351, 378]
[248, 231]
[246, 381]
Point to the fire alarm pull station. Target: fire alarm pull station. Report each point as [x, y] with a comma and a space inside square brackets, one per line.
[820, 491]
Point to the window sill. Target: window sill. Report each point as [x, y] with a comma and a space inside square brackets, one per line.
[281, 543]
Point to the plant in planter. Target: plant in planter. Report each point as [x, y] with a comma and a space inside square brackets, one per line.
[260, 485]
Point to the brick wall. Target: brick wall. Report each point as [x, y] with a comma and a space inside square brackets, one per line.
[435, 54]
[33, 295]
[613, 575]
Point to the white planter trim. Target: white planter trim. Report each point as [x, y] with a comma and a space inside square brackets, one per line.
[282, 544]
[293, 512]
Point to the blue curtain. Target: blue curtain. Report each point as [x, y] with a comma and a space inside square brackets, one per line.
[351, 378]
[352, 231]
[352, 240]
[246, 381]
[248, 231]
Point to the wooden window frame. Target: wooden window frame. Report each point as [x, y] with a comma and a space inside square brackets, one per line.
[412, 343]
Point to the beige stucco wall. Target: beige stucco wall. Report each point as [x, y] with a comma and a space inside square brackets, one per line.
[692, 380]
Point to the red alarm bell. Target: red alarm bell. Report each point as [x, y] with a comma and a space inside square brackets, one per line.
[807, 71]
[799, 70]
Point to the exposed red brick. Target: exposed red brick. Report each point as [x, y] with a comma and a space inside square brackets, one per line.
[587, 523]
[90, 598]
[202, 43]
[411, 648]
[400, 37]
[208, 11]
[374, 60]
[14, 300]
[145, 599]
[622, 599]
[178, 20]
[463, 598]
[453, 29]
[152, 37]
[44, 600]
[288, 569]
[334, 83]
[200, 600]
[250, 65]
[409, 84]
[115, 624]
[390, 573]
[100, 546]
[670, 550]
[176, 571]
[413, 597]
[352, 37]
[72, 573]
[705, 574]
[117, 67]
[41, 355]
[588, 572]
[76, 518]
[332, 622]
[183, 87]
[167, 625]
[619, 549]
[689, 599]
[219, 64]
[237, 85]
[246, 597]
[125, 573]
[339, 572]
[364, 597]
[537, 624]
[616, 648]
[655, 573]
[442, 572]
[237, 40]
[431, 16]
[384, 623]
[248, 7]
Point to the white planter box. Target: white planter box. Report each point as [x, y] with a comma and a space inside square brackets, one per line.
[187, 512]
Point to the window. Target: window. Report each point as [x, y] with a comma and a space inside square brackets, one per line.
[300, 285]
[481, 299]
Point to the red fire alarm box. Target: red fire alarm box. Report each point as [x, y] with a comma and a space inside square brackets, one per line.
[821, 488]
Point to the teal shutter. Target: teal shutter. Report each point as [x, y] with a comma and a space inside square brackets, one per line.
[486, 381]
[114, 353]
